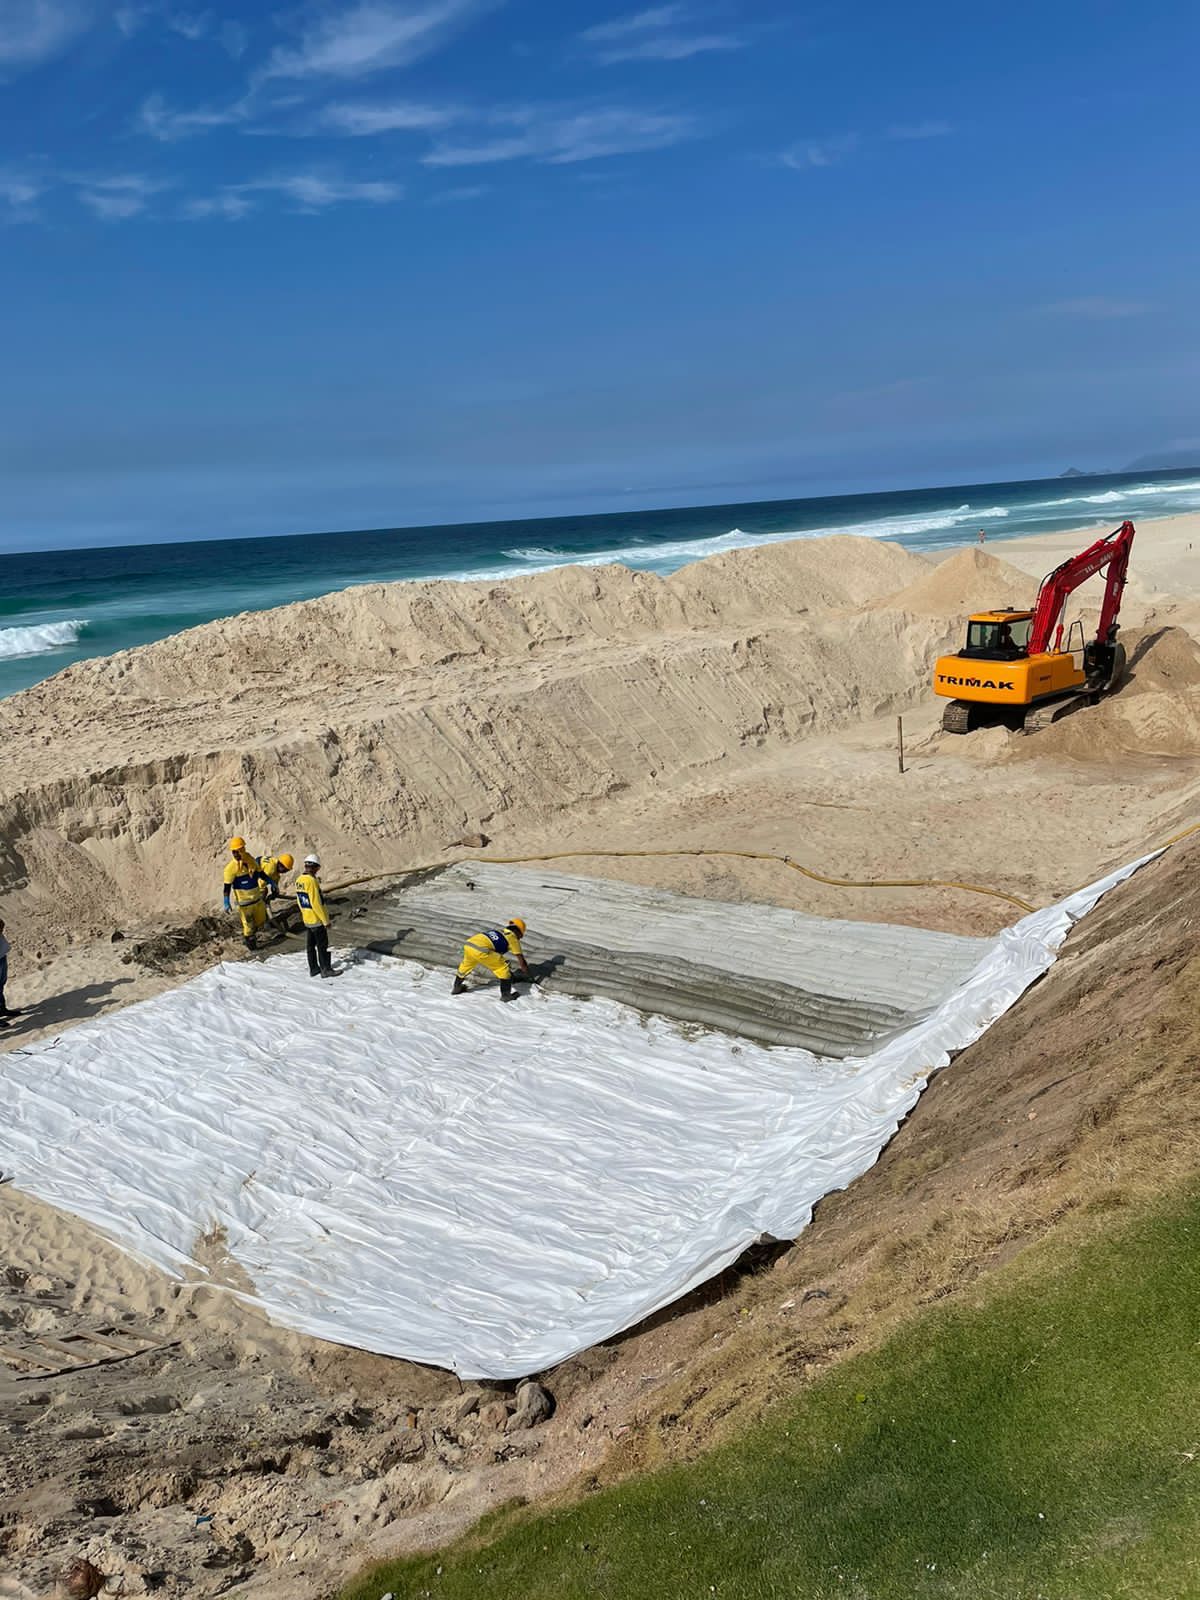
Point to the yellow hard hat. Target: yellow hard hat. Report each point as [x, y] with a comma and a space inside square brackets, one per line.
[237, 842]
[287, 862]
[519, 924]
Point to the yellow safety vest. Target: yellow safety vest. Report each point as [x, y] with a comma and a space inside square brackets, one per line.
[308, 898]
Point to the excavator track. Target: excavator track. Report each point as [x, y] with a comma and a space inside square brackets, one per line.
[1039, 717]
[956, 717]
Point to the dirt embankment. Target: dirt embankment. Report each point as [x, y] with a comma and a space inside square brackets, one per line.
[239, 1456]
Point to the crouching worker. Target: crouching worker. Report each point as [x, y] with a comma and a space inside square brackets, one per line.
[316, 919]
[246, 883]
[495, 950]
[275, 869]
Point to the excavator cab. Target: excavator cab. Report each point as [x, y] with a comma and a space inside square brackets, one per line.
[1015, 667]
[1000, 635]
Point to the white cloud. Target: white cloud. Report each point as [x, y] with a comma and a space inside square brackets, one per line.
[637, 22]
[131, 19]
[391, 117]
[369, 36]
[584, 136]
[315, 191]
[671, 47]
[235, 38]
[120, 196]
[1097, 308]
[228, 206]
[656, 34]
[197, 26]
[931, 129]
[193, 25]
[310, 192]
[168, 125]
[19, 195]
[810, 153]
[451, 197]
[34, 30]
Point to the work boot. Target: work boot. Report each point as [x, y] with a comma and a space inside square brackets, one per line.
[459, 987]
[506, 989]
[250, 942]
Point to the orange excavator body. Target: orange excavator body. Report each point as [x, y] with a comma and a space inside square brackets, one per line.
[1015, 665]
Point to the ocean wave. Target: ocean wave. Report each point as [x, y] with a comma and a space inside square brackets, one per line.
[669, 554]
[33, 640]
[1167, 488]
[1110, 497]
[535, 552]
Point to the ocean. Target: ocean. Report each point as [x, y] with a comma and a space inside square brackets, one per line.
[63, 606]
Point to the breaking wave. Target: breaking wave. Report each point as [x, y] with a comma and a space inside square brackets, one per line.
[33, 640]
[670, 553]
[1186, 494]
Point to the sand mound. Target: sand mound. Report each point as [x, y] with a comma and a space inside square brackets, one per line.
[804, 575]
[377, 723]
[1155, 713]
[970, 580]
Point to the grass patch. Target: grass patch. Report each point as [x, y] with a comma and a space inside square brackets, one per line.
[1040, 1444]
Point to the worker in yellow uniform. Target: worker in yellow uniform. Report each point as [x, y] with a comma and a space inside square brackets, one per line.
[246, 883]
[496, 950]
[316, 919]
[276, 868]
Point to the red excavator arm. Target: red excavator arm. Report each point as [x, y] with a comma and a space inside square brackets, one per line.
[1112, 552]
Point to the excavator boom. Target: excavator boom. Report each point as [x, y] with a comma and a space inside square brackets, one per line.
[1112, 552]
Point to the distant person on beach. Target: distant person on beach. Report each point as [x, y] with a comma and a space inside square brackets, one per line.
[5, 1010]
[316, 919]
[982, 536]
[495, 950]
[246, 884]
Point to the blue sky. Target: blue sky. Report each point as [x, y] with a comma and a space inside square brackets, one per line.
[273, 269]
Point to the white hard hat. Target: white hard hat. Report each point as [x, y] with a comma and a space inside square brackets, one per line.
[312, 861]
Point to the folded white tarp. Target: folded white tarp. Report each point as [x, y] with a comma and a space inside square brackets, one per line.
[484, 1187]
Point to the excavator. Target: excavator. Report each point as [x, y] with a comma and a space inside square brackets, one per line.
[1017, 669]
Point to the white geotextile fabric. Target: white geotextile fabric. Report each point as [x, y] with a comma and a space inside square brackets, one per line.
[483, 1187]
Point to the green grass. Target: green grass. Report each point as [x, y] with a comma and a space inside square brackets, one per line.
[1039, 1443]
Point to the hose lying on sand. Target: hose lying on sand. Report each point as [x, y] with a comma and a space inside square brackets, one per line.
[734, 855]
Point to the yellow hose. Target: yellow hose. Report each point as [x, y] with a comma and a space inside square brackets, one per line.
[736, 855]
[739, 855]
[1175, 838]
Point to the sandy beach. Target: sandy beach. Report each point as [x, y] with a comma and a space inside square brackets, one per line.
[748, 702]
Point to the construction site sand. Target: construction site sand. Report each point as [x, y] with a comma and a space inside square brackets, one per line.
[748, 702]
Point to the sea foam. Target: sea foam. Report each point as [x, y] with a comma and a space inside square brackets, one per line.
[669, 554]
[33, 640]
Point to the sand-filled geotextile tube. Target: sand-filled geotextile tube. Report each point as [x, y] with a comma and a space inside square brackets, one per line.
[764, 973]
[684, 991]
